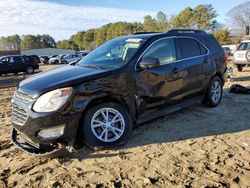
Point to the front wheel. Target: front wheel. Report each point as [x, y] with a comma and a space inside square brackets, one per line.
[106, 126]
[29, 70]
[214, 92]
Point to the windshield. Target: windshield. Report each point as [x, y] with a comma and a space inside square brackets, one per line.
[113, 54]
[244, 46]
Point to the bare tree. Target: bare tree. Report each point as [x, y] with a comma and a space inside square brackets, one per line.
[240, 15]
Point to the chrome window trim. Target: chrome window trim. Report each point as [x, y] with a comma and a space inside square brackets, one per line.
[173, 37]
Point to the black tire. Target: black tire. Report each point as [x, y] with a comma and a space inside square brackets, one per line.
[56, 62]
[240, 68]
[248, 55]
[209, 99]
[64, 62]
[89, 137]
[29, 69]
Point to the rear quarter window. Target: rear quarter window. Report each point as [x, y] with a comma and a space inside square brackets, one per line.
[212, 44]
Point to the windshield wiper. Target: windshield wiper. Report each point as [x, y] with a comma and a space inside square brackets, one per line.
[92, 66]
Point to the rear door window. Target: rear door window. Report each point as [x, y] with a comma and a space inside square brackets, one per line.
[189, 48]
[17, 59]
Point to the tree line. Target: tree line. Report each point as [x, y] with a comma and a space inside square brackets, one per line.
[15, 42]
[200, 17]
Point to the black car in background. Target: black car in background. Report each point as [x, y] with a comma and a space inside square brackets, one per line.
[122, 83]
[17, 63]
[36, 58]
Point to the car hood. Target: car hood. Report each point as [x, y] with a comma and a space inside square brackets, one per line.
[59, 77]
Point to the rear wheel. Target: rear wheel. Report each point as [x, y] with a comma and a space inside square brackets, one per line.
[29, 69]
[64, 62]
[106, 126]
[214, 93]
[248, 55]
[240, 68]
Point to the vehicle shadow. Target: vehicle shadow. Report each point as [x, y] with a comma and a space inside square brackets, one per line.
[190, 123]
[243, 78]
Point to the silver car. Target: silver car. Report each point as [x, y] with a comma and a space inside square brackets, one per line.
[70, 58]
[242, 55]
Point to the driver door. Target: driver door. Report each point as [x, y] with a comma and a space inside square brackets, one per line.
[159, 86]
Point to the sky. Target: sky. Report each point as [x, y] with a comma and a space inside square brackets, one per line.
[62, 18]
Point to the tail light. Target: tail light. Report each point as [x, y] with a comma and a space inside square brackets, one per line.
[225, 58]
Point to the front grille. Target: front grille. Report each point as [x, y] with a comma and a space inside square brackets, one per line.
[22, 97]
[19, 115]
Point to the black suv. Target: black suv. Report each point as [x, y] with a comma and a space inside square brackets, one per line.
[17, 63]
[124, 82]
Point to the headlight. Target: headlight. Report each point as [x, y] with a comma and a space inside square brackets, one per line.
[52, 100]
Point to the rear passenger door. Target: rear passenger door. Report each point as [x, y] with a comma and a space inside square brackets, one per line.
[193, 56]
[17, 64]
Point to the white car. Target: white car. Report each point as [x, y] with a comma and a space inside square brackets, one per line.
[56, 60]
[242, 55]
[69, 58]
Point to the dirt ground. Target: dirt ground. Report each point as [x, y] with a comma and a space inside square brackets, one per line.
[195, 147]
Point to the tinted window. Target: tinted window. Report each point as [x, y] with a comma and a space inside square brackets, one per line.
[24, 59]
[203, 50]
[189, 48]
[212, 44]
[244, 46]
[5, 60]
[17, 59]
[164, 50]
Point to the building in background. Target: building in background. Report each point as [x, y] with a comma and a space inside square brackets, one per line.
[47, 51]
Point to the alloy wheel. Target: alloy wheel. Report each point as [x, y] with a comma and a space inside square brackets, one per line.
[216, 92]
[108, 124]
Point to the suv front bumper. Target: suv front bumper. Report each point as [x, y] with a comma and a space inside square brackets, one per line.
[24, 144]
[28, 126]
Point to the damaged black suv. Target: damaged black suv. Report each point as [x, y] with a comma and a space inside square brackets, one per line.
[124, 82]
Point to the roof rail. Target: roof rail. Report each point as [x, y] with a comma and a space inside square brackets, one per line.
[138, 33]
[172, 31]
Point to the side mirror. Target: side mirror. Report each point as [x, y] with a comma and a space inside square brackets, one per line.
[148, 62]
